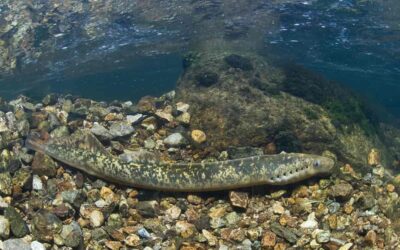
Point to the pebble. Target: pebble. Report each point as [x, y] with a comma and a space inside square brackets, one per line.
[36, 245]
[144, 233]
[373, 157]
[113, 245]
[370, 238]
[341, 190]
[310, 223]
[277, 208]
[149, 143]
[314, 244]
[132, 240]
[133, 119]
[185, 229]
[37, 183]
[268, 239]
[71, 234]
[232, 218]
[390, 188]
[121, 129]
[43, 165]
[17, 224]
[182, 107]
[45, 226]
[96, 218]
[194, 199]
[198, 136]
[211, 239]
[165, 114]
[184, 118]
[284, 232]
[346, 246]
[101, 132]
[323, 236]
[13, 244]
[4, 228]
[107, 194]
[173, 212]
[148, 208]
[74, 197]
[175, 139]
[239, 199]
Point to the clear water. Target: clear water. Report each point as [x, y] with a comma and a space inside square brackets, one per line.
[137, 51]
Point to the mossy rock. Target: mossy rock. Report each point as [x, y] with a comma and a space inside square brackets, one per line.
[293, 108]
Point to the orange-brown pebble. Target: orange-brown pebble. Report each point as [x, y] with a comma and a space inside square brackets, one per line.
[280, 246]
[348, 208]
[198, 136]
[113, 245]
[117, 235]
[348, 169]
[301, 192]
[291, 201]
[370, 238]
[270, 149]
[239, 199]
[133, 193]
[331, 246]
[225, 233]
[268, 240]
[113, 117]
[332, 220]
[321, 210]
[390, 188]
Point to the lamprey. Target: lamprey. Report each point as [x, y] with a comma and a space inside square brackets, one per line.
[83, 151]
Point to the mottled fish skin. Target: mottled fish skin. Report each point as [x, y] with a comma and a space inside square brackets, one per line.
[277, 169]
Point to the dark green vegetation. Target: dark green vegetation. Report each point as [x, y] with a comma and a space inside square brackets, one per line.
[344, 106]
[239, 62]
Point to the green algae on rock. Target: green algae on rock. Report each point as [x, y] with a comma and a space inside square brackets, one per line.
[286, 105]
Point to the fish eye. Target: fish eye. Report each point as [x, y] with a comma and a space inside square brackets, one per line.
[317, 163]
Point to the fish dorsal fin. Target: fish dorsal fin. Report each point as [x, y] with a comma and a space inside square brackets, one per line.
[82, 139]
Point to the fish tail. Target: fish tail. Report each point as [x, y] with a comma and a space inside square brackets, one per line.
[34, 142]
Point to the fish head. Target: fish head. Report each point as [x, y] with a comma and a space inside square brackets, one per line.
[320, 165]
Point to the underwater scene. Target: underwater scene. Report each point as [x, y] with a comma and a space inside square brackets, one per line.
[199, 124]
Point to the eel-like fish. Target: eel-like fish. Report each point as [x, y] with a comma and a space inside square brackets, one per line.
[83, 151]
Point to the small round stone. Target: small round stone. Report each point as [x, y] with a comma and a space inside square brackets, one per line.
[323, 236]
[132, 240]
[390, 188]
[198, 136]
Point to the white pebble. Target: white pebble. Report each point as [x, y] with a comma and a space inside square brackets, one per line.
[310, 223]
[37, 183]
[36, 245]
[134, 118]
[96, 218]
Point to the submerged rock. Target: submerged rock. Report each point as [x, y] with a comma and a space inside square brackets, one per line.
[17, 224]
[45, 226]
[120, 129]
[239, 62]
[71, 235]
[44, 165]
[318, 114]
